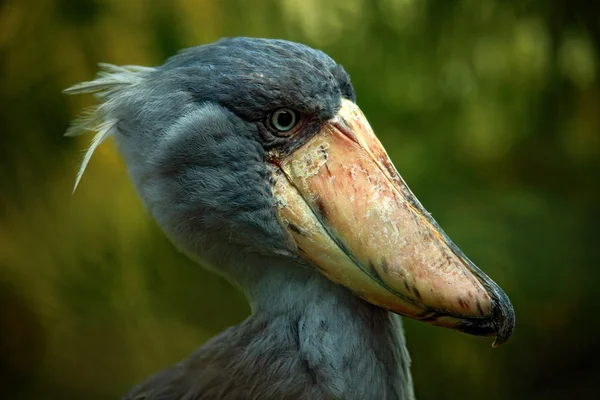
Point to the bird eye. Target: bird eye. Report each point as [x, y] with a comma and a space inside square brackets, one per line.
[283, 119]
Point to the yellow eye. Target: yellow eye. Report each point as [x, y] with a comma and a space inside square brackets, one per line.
[283, 119]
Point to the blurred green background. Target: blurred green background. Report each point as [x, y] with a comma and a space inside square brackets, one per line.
[489, 108]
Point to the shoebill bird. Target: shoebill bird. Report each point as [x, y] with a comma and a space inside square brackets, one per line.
[254, 158]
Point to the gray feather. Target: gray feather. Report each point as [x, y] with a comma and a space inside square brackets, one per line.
[112, 80]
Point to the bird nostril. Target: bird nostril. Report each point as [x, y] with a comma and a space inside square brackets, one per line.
[343, 127]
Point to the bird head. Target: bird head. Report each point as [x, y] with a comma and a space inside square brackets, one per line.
[254, 146]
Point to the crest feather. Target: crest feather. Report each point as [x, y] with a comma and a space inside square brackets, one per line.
[112, 81]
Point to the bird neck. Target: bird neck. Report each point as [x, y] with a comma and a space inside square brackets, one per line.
[343, 345]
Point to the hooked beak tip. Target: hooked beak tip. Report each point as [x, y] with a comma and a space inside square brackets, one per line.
[504, 319]
[501, 323]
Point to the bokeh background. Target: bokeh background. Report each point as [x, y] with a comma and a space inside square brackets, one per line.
[489, 108]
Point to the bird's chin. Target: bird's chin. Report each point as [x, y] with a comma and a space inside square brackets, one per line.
[352, 216]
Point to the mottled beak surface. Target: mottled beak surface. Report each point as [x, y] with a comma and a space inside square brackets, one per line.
[352, 216]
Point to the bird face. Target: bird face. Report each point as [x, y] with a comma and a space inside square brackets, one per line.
[257, 146]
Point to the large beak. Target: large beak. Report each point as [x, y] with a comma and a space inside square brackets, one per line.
[352, 216]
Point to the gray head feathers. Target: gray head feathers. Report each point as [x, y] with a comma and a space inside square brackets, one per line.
[248, 76]
[195, 137]
[111, 82]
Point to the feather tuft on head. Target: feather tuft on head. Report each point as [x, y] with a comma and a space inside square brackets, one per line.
[111, 82]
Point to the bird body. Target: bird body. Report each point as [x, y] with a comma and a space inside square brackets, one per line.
[253, 157]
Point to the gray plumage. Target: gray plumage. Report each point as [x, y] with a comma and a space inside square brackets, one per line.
[193, 137]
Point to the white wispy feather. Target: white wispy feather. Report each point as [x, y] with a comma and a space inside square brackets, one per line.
[112, 80]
